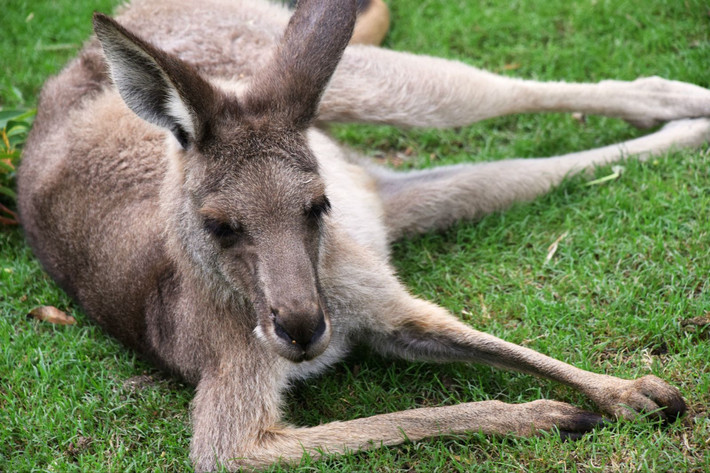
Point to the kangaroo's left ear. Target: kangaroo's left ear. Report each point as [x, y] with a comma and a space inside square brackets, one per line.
[291, 85]
[157, 86]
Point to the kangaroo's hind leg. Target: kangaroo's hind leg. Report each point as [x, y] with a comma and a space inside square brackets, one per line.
[422, 200]
[380, 86]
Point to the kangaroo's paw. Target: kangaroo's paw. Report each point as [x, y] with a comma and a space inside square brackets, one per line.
[648, 395]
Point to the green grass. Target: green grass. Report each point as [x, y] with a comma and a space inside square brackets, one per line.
[633, 266]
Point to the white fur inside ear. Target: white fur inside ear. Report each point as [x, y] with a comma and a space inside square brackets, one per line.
[145, 87]
[177, 109]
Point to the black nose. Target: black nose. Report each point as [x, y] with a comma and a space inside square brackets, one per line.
[300, 330]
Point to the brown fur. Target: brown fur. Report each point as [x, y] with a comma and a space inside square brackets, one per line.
[196, 213]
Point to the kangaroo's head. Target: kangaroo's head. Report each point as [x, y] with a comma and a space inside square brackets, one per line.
[247, 204]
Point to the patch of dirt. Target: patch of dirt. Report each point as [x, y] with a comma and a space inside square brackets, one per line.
[139, 382]
[78, 446]
[698, 325]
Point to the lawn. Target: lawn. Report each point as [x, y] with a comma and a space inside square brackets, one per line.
[619, 296]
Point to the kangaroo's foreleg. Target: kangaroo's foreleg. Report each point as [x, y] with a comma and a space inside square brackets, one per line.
[488, 417]
[419, 330]
[380, 86]
[422, 200]
[238, 430]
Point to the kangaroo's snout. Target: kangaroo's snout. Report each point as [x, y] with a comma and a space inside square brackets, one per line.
[294, 321]
[298, 332]
[302, 328]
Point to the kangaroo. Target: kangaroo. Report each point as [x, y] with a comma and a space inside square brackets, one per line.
[179, 184]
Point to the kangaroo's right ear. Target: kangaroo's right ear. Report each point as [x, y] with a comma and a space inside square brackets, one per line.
[157, 86]
[291, 85]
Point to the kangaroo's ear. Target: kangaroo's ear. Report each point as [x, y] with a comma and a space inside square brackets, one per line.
[292, 83]
[157, 86]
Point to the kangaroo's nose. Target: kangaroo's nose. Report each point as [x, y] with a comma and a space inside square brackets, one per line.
[301, 329]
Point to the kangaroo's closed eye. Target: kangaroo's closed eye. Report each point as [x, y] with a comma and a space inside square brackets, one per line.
[318, 208]
[225, 232]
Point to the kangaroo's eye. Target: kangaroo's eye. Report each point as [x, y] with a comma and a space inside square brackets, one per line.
[318, 208]
[225, 232]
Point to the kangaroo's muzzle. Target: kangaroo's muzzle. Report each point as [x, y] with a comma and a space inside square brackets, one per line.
[302, 334]
[298, 334]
